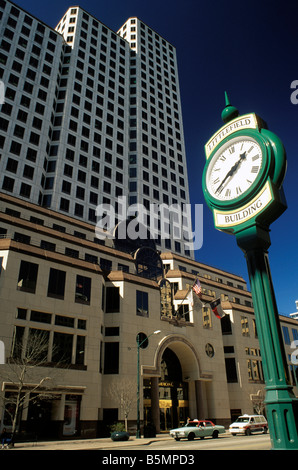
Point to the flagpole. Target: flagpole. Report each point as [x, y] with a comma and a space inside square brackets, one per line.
[176, 311]
[214, 304]
[189, 289]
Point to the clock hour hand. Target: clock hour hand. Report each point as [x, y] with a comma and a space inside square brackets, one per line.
[231, 172]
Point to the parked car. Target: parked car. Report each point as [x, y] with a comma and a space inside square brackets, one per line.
[197, 428]
[248, 424]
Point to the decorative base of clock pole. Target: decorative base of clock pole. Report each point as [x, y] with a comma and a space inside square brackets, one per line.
[281, 403]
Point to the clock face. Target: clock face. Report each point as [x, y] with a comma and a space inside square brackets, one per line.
[234, 168]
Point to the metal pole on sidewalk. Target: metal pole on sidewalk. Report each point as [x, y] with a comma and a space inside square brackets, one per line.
[281, 403]
[139, 344]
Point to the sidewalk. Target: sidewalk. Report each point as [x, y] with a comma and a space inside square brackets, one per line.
[88, 444]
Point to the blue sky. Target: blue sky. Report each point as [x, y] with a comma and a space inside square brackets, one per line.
[249, 49]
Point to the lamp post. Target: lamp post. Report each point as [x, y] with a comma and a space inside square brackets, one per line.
[139, 344]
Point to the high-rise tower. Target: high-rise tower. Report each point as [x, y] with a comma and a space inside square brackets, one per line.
[92, 117]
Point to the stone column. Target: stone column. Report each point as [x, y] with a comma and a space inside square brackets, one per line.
[202, 406]
[155, 403]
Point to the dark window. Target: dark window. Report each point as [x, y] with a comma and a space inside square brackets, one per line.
[91, 258]
[83, 289]
[4, 124]
[231, 370]
[27, 276]
[112, 299]
[18, 342]
[142, 303]
[25, 190]
[8, 183]
[111, 358]
[22, 238]
[15, 148]
[41, 317]
[48, 246]
[142, 340]
[112, 331]
[226, 326]
[71, 252]
[22, 314]
[61, 320]
[59, 228]
[11, 165]
[286, 335]
[64, 205]
[79, 210]
[80, 351]
[105, 264]
[56, 285]
[31, 155]
[82, 324]
[62, 348]
[28, 172]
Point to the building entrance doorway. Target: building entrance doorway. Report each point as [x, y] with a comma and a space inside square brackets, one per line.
[39, 418]
[173, 394]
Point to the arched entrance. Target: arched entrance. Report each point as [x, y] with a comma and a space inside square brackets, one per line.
[169, 385]
[173, 393]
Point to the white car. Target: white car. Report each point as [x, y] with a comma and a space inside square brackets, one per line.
[248, 424]
[197, 428]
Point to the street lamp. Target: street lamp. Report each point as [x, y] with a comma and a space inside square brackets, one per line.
[139, 344]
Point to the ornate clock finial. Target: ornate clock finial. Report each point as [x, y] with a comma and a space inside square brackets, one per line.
[229, 112]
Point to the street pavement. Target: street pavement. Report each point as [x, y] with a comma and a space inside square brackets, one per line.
[89, 444]
[160, 442]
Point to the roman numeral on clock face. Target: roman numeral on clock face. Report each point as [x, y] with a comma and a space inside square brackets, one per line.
[255, 169]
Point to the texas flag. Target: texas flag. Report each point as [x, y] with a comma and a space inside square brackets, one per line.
[217, 308]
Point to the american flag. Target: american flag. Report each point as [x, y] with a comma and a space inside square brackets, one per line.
[197, 288]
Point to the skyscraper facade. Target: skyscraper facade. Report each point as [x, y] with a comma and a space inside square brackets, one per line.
[92, 117]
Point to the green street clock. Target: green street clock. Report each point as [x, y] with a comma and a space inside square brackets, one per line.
[242, 184]
[234, 168]
[243, 175]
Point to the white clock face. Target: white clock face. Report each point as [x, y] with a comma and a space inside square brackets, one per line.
[234, 168]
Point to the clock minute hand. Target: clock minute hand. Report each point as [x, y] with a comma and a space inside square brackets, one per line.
[231, 172]
[220, 187]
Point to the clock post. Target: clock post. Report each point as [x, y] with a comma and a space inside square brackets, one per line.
[246, 208]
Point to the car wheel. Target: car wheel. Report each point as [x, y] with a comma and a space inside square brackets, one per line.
[247, 432]
[177, 438]
[265, 430]
[233, 434]
[191, 436]
[215, 434]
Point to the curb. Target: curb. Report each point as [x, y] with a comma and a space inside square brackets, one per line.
[104, 444]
